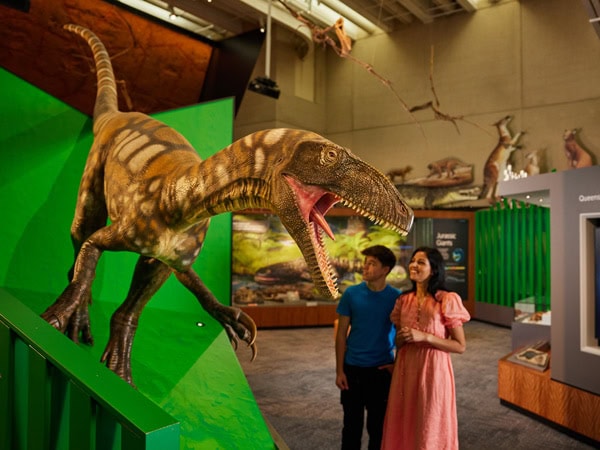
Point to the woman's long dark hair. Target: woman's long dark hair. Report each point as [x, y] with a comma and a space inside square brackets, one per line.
[438, 270]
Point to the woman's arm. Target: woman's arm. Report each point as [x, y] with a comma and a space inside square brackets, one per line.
[456, 343]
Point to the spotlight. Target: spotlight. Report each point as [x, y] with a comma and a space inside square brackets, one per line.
[264, 86]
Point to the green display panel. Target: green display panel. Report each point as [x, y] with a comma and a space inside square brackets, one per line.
[44, 148]
[512, 260]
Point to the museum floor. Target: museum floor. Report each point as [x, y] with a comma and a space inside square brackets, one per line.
[293, 381]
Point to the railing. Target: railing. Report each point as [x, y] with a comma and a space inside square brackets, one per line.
[52, 397]
[512, 261]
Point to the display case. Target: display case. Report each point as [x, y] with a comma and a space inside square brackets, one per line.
[569, 392]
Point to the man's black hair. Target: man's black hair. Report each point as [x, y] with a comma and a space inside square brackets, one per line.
[385, 256]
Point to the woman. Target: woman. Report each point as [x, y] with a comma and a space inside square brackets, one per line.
[421, 412]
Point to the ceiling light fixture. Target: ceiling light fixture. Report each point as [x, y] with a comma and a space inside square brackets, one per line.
[172, 14]
[165, 12]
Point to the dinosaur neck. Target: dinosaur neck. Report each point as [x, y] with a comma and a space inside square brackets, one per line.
[235, 178]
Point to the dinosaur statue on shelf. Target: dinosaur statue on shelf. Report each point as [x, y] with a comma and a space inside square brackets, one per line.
[159, 196]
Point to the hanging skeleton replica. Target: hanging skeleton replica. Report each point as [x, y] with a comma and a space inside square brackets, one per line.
[159, 196]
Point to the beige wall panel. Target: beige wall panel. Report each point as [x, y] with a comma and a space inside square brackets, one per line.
[402, 59]
[339, 101]
[561, 53]
[477, 61]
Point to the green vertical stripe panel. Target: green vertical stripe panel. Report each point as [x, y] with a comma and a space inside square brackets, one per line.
[134, 441]
[523, 250]
[529, 267]
[509, 241]
[539, 255]
[547, 261]
[6, 381]
[38, 417]
[494, 256]
[59, 409]
[108, 431]
[81, 420]
[513, 254]
[514, 266]
[502, 256]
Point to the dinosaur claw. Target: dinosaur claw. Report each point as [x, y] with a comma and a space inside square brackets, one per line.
[254, 351]
[246, 331]
[52, 319]
[250, 326]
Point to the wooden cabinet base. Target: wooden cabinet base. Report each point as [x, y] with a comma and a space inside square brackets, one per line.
[291, 316]
[535, 392]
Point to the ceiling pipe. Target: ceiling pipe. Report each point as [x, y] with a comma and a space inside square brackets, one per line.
[265, 85]
[268, 51]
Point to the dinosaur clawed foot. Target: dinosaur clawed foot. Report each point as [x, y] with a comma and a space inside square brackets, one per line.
[71, 317]
[239, 325]
[117, 355]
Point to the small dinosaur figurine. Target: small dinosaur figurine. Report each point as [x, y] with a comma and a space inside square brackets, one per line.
[159, 196]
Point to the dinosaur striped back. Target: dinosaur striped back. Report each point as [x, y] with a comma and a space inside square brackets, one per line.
[106, 97]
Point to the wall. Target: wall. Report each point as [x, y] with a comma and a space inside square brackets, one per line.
[535, 59]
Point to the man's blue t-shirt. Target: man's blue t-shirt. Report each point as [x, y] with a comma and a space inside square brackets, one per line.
[370, 342]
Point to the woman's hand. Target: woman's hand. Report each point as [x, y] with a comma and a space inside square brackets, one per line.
[409, 335]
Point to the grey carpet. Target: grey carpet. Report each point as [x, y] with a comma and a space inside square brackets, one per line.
[293, 380]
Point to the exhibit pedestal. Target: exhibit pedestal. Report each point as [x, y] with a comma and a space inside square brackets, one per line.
[536, 392]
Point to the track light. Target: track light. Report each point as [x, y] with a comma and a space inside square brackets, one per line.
[264, 86]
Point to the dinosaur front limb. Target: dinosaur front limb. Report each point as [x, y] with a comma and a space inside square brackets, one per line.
[236, 322]
[69, 313]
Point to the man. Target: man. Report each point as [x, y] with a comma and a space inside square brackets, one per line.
[364, 348]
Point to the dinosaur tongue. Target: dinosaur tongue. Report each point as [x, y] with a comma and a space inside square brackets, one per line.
[314, 202]
[316, 217]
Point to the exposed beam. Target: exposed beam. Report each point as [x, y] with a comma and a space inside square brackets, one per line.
[467, 5]
[417, 9]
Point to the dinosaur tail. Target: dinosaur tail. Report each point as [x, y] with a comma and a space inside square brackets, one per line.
[106, 97]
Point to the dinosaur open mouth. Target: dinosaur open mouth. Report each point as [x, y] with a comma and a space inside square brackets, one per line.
[314, 202]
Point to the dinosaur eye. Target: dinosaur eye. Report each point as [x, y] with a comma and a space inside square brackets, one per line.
[328, 156]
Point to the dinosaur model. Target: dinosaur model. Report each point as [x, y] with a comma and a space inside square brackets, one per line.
[159, 196]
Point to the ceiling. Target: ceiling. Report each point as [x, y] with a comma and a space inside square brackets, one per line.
[220, 19]
[160, 66]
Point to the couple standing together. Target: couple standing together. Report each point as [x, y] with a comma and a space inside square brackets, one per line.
[408, 394]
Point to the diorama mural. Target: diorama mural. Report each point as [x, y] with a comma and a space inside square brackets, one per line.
[268, 269]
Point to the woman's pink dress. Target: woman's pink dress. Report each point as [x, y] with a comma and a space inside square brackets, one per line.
[421, 411]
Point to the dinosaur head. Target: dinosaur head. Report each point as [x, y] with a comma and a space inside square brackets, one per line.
[309, 176]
